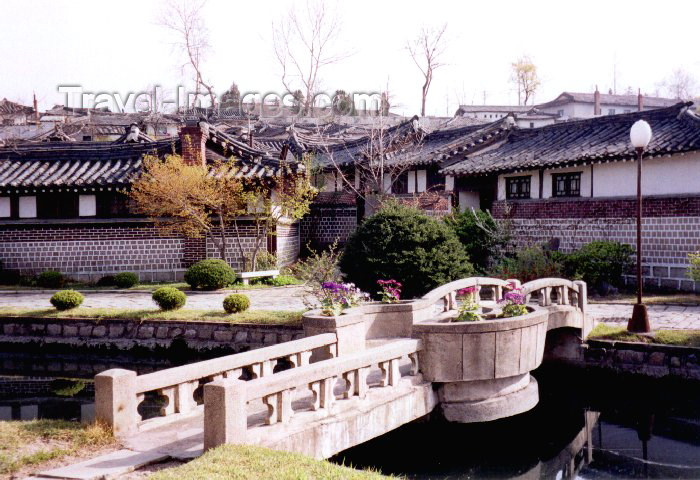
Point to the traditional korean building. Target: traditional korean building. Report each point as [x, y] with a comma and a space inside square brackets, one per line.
[62, 205]
[576, 182]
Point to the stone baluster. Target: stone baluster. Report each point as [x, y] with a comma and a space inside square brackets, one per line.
[170, 395]
[279, 407]
[184, 396]
[299, 359]
[357, 382]
[413, 357]
[323, 393]
[477, 295]
[390, 373]
[446, 303]
[453, 300]
[497, 293]
[235, 373]
[564, 300]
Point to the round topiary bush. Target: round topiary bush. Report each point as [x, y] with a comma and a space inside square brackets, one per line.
[51, 279]
[169, 298]
[106, 281]
[126, 279]
[210, 274]
[403, 244]
[67, 299]
[236, 302]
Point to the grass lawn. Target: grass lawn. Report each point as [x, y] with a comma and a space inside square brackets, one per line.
[231, 462]
[31, 443]
[652, 299]
[682, 338]
[267, 317]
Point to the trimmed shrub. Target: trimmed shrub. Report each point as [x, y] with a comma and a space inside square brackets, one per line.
[67, 299]
[126, 279]
[482, 237]
[10, 277]
[265, 261]
[169, 298]
[282, 280]
[106, 281]
[694, 270]
[530, 264]
[600, 262]
[210, 274]
[236, 302]
[402, 243]
[51, 279]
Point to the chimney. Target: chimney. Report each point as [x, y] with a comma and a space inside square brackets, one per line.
[193, 139]
[640, 100]
[596, 101]
[36, 110]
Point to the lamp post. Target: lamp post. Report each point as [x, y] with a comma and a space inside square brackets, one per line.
[640, 136]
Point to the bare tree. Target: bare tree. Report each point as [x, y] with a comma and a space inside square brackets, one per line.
[524, 76]
[680, 84]
[426, 51]
[303, 43]
[184, 19]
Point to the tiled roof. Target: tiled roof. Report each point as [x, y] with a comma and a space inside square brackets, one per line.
[90, 164]
[493, 108]
[443, 144]
[390, 141]
[608, 99]
[601, 139]
[7, 108]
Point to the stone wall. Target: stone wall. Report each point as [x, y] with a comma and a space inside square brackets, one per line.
[327, 224]
[150, 334]
[651, 360]
[670, 230]
[88, 250]
[288, 244]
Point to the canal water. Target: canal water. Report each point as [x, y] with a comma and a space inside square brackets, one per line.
[588, 424]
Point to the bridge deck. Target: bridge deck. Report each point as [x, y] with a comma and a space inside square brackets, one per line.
[315, 433]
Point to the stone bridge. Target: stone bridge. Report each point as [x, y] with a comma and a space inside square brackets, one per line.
[354, 376]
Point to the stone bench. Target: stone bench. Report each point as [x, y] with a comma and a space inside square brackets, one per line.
[246, 277]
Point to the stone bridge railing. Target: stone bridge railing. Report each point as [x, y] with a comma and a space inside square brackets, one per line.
[119, 392]
[226, 401]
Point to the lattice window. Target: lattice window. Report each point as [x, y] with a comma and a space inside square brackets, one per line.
[518, 187]
[566, 184]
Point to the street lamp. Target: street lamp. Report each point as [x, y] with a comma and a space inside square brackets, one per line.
[640, 136]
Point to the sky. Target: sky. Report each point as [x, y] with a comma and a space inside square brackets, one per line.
[576, 45]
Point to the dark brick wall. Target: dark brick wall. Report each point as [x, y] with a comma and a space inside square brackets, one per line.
[88, 251]
[670, 230]
[599, 207]
[326, 224]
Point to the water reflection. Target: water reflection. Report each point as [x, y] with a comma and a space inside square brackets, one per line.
[587, 425]
[73, 410]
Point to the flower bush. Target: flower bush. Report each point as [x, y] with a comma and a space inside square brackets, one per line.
[336, 297]
[391, 291]
[513, 304]
[468, 309]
